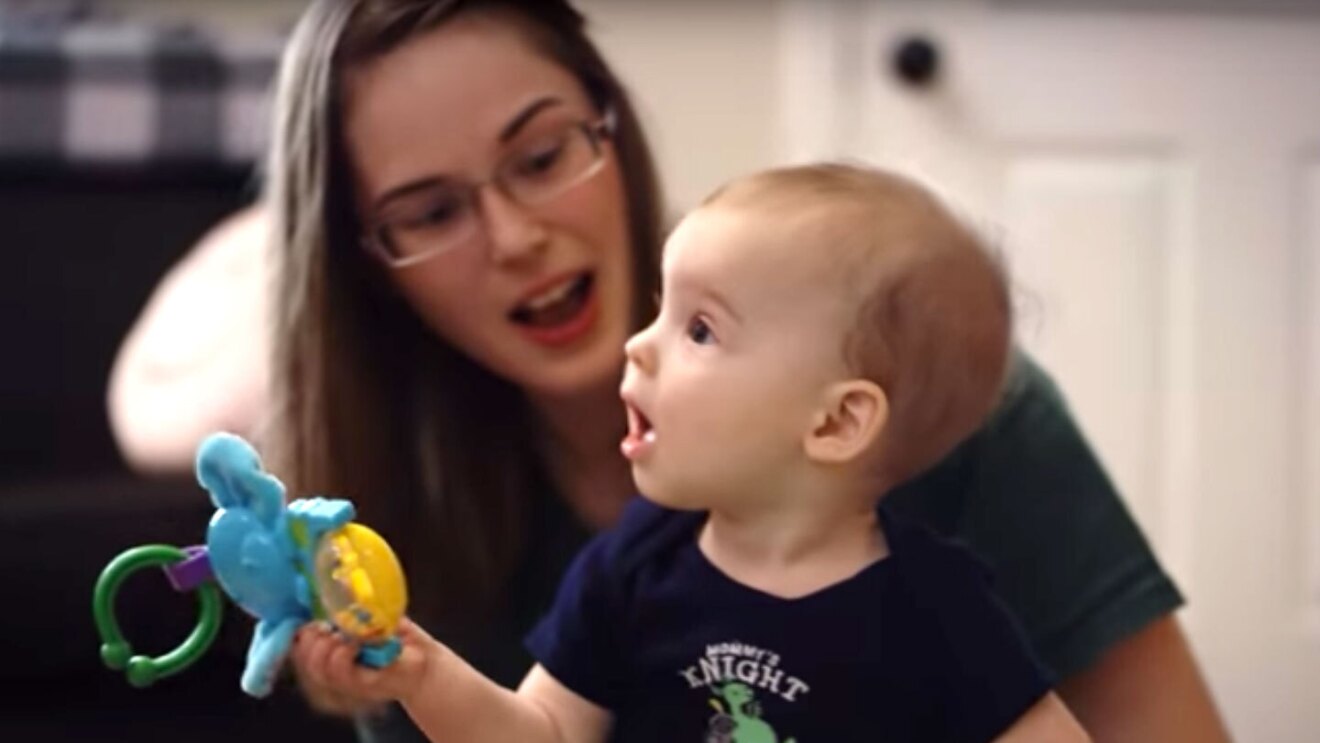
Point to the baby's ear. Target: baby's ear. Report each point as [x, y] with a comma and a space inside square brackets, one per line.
[850, 419]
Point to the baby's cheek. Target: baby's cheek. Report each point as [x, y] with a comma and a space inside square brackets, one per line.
[707, 411]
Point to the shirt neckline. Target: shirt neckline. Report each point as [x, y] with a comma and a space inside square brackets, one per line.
[871, 571]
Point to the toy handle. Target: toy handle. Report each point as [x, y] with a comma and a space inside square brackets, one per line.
[116, 653]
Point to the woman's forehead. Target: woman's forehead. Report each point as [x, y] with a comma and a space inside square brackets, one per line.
[442, 99]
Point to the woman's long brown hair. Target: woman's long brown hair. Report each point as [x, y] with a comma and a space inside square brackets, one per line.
[435, 451]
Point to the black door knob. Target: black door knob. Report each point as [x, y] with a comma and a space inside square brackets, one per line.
[916, 61]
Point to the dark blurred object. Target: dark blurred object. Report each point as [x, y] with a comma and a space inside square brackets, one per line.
[84, 246]
[56, 534]
[916, 60]
[83, 249]
[87, 231]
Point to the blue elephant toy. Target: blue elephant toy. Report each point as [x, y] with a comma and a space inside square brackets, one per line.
[260, 550]
[284, 564]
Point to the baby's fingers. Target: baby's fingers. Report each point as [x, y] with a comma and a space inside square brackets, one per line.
[343, 671]
[311, 648]
[338, 663]
[311, 658]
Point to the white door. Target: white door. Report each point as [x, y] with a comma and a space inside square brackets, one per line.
[1154, 180]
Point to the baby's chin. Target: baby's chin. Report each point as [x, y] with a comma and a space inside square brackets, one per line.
[675, 499]
[677, 505]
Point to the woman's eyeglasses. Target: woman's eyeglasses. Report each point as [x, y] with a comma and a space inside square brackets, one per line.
[436, 218]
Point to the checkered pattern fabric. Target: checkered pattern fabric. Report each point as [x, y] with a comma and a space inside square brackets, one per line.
[116, 93]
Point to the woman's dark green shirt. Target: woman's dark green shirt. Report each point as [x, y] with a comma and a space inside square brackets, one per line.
[1025, 492]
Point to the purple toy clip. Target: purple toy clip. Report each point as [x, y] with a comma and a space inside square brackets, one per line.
[190, 572]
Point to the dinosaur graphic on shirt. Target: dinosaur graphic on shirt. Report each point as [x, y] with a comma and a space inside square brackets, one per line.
[742, 722]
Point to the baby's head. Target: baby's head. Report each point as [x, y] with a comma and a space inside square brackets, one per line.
[826, 318]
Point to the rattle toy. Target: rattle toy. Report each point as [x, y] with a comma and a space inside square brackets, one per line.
[284, 564]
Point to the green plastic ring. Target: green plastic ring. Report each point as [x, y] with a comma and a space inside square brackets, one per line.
[116, 653]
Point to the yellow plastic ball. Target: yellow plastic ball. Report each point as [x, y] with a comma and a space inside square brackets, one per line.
[360, 583]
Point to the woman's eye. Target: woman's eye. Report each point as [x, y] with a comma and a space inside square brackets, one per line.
[699, 332]
[439, 214]
[540, 160]
[435, 214]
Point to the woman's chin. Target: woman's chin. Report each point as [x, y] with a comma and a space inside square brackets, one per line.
[593, 370]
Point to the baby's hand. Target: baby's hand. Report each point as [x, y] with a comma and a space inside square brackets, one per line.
[326, 667]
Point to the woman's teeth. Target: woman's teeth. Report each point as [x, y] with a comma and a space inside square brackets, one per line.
[554, 295]
[556, 305]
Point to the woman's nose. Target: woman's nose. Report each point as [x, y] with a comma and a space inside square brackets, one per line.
[512, 232]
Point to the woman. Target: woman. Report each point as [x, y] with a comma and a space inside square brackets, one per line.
[466, 225]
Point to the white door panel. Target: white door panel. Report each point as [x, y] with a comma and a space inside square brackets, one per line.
[1094, 313]
[1307, 448]
[1154, 180]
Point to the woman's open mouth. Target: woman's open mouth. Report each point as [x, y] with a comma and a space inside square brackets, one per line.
[560, 313]
[640, 437]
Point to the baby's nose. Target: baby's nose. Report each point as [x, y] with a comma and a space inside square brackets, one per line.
[640, 351]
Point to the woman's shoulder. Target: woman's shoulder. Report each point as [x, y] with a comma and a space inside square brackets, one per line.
[1030, 497]
[194, 360]
[1028, 391]
[1030, 436]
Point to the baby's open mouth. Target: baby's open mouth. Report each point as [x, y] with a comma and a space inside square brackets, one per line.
[639, 426]
[556, 305]
[640, 433]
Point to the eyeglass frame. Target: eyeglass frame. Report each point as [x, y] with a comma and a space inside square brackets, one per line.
[598, 131]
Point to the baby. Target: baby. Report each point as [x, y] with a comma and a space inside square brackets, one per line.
[826, 333]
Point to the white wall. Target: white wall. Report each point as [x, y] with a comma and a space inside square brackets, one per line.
[705, 76]
[703, 73]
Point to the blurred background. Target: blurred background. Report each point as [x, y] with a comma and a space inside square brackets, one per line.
[1151, 170]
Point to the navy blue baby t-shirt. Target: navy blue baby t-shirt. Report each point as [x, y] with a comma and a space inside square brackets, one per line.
[915, 647]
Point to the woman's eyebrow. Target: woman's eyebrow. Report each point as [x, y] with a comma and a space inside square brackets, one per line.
[421, 184]
[516, 124]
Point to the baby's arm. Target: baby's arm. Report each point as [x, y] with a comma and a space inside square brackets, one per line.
[1048, 721]
[576, 718]
[449, 700]
[456, 704]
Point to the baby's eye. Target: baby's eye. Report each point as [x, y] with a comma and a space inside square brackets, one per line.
[699, 332]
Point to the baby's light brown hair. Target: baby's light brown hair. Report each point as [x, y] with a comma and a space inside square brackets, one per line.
[934, 318]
